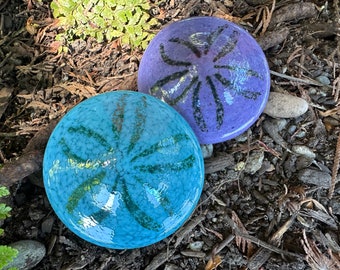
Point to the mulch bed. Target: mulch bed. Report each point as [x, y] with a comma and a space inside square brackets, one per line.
[267, 220]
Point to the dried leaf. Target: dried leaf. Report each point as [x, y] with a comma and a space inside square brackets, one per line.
[5, 94]
[335, 169]
[31, 27]
[38, 105]
[315, 203]
[316, 259]
[54, 46]
[330, 112]
[79, 89]
[217, 234]
[234, 19]
[214, 262]
[321, 216]
[243, 244]
[336, 89]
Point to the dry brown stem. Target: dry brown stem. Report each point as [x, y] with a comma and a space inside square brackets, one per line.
[335, 169]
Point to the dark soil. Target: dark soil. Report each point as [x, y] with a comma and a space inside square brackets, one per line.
[272, 219]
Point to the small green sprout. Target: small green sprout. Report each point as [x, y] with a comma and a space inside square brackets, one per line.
[7, 254]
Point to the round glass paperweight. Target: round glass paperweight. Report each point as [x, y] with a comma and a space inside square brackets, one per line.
[123, 170]
[211, 71]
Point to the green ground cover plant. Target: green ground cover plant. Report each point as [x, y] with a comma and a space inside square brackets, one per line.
[7, 254]
[127, 20]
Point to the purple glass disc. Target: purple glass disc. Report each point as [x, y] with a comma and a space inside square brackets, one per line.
[212, 72]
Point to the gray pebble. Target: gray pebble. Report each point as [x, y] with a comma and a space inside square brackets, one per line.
[272, 129]
[302, 150]
[254, 162]
[30, 254]
[303, 162]
[279, 123]
[285, 106]
[207, 150]
[323, 79]
[243, 137]
[170, 266]
[196, 246]
[300, 134]
[292, 129]
[47, 225]
[314, 177]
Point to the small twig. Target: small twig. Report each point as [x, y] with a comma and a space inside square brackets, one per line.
[188, 228]
[262, 243]
[335, 169]
[31, 159]
[298, 80]
[165, 254]
[267, 17]
[224, 243]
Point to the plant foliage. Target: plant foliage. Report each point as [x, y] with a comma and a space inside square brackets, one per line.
[127, 20]
[7, 254]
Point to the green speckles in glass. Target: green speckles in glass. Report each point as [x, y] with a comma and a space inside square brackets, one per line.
[123, 163]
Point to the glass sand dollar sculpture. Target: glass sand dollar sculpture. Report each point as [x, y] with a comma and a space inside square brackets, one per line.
[211, 71]
[123, 170]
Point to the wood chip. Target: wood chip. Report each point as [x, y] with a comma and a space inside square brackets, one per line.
[274, 38]
[5, 94]
[294, 12]
[218, 163]
[194, 254]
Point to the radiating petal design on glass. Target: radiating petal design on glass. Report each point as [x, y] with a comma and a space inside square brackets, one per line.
[190, 81]
[126, 163]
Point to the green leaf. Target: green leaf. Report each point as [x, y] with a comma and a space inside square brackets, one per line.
[100, 22]
[112, 33]
[99, 36]
[111, 3]
[67, 22]
[153, 22]
[135, 19]
[7, 254]
[4, 211]
[79, 16]
[107, 13]
[100, 3]
[125, 40]
[4, 191]
[121, 16]
[145, 6]
[98, 10]
[55, 9]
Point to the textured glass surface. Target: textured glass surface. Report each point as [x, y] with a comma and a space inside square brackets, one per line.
[123, 170]
[211, 71]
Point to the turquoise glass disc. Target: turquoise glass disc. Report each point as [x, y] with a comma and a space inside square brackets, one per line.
[123, 170]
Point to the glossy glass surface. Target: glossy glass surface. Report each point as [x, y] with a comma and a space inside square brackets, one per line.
[123, 170]
[211, 71]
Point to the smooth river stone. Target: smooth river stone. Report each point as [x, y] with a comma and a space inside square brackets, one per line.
[123, 170]
[281, 105]
[212, 71]
[30, 254]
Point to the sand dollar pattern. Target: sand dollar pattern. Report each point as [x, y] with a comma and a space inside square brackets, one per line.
[127, 174]
[209, 70]
[194, 78]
